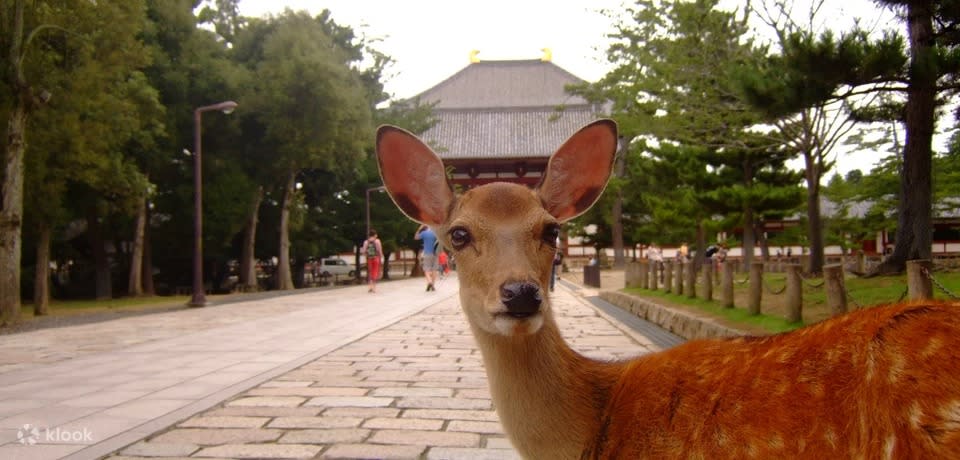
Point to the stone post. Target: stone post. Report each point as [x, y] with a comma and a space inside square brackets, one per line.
[654, 274]
[668, 276]
[836, 291]
[708, 281]
[756, 288]
[645, 273]
[631, 274]
[678, 277]
[919, 284]
[726, 288]
[794, 293]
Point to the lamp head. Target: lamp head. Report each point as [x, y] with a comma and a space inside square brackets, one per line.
[228, 107]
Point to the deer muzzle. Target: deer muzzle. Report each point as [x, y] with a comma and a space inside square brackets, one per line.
[521, 298]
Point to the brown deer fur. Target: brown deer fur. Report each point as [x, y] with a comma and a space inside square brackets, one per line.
[878, 383]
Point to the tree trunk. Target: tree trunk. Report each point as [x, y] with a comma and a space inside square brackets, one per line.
[617, 230]
[135, 281]
[914, 234]
[814, 220]
[41, 281]
[11, 215]
[101, 261]
[416, 270]
[617, 211]
[386, 264]
[815, 231]
[248, 262]
[749, 239]
[11, 190]
[147, 265]
[760, 237]
[701, 255]
[284, 279]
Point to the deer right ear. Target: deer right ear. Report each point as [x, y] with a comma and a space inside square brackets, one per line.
[578, 172]
[413, 175]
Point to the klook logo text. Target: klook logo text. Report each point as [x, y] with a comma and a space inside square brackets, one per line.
[29, 435]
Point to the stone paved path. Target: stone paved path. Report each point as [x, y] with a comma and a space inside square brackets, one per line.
[338, 374]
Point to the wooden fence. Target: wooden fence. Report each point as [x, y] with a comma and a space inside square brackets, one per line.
[680, 278]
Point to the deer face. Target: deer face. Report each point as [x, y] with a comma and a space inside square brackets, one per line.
[503, 256]
[502, 235]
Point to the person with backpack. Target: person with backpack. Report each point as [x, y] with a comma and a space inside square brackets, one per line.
[373, 250]
[429, 256]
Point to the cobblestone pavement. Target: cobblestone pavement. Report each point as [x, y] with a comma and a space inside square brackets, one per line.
[415, 389]
[407, 383]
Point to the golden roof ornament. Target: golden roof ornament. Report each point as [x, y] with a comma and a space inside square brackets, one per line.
[547, 55]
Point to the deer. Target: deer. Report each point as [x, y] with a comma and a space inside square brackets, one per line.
[877, 383]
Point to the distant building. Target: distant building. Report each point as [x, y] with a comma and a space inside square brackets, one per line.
[501, 120]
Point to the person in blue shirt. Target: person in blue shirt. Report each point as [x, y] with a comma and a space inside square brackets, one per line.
[429, 255]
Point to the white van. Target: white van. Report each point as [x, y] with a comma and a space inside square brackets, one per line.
[335, 266]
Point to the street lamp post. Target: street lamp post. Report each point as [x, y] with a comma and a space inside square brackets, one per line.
[199, 299]
[374, 189]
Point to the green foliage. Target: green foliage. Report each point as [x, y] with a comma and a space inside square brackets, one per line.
[671, 79]
[191, 68]
[225, 17]
[308, 97]
[102, 108]
[674, 81]
[810, 69]
[126, 78]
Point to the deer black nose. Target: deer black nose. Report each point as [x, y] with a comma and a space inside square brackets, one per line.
[521, 298]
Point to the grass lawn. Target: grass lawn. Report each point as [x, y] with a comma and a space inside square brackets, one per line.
[862, 293]
[79, 307]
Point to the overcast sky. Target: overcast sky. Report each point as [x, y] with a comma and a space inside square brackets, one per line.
[431, 40]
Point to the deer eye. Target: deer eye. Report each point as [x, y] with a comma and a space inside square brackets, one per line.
[460, 237]
[550, 234]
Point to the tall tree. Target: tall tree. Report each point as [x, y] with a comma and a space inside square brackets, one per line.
[20, 97]
[44, 43]
[313, 106]
[673, 78]
[815, 130]
[191, 68]
[930, 60]
[823, 68]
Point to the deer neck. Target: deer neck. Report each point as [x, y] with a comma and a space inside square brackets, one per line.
[548, 397]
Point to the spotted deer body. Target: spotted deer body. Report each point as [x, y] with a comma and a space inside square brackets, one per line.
[877, 383]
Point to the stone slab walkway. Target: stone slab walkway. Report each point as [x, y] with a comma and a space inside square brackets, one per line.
[334, 374]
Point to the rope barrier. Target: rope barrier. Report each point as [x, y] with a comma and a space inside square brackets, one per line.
[851, 299]
[771, 290]
[938, 284]
[807, 282]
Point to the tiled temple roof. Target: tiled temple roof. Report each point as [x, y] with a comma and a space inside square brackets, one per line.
[505, 109]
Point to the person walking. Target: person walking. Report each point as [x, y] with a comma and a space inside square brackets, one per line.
[555, 270]
[373, 249]
[429, 255]
[443, 260]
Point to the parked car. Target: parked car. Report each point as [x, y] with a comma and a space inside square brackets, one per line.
[335, 266]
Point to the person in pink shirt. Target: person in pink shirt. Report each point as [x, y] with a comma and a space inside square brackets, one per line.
[374, 251]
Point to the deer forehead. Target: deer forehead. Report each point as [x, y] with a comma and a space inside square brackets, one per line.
[499, 205]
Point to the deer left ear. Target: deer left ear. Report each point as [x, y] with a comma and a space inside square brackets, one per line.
[579, 170]
[413, 175]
